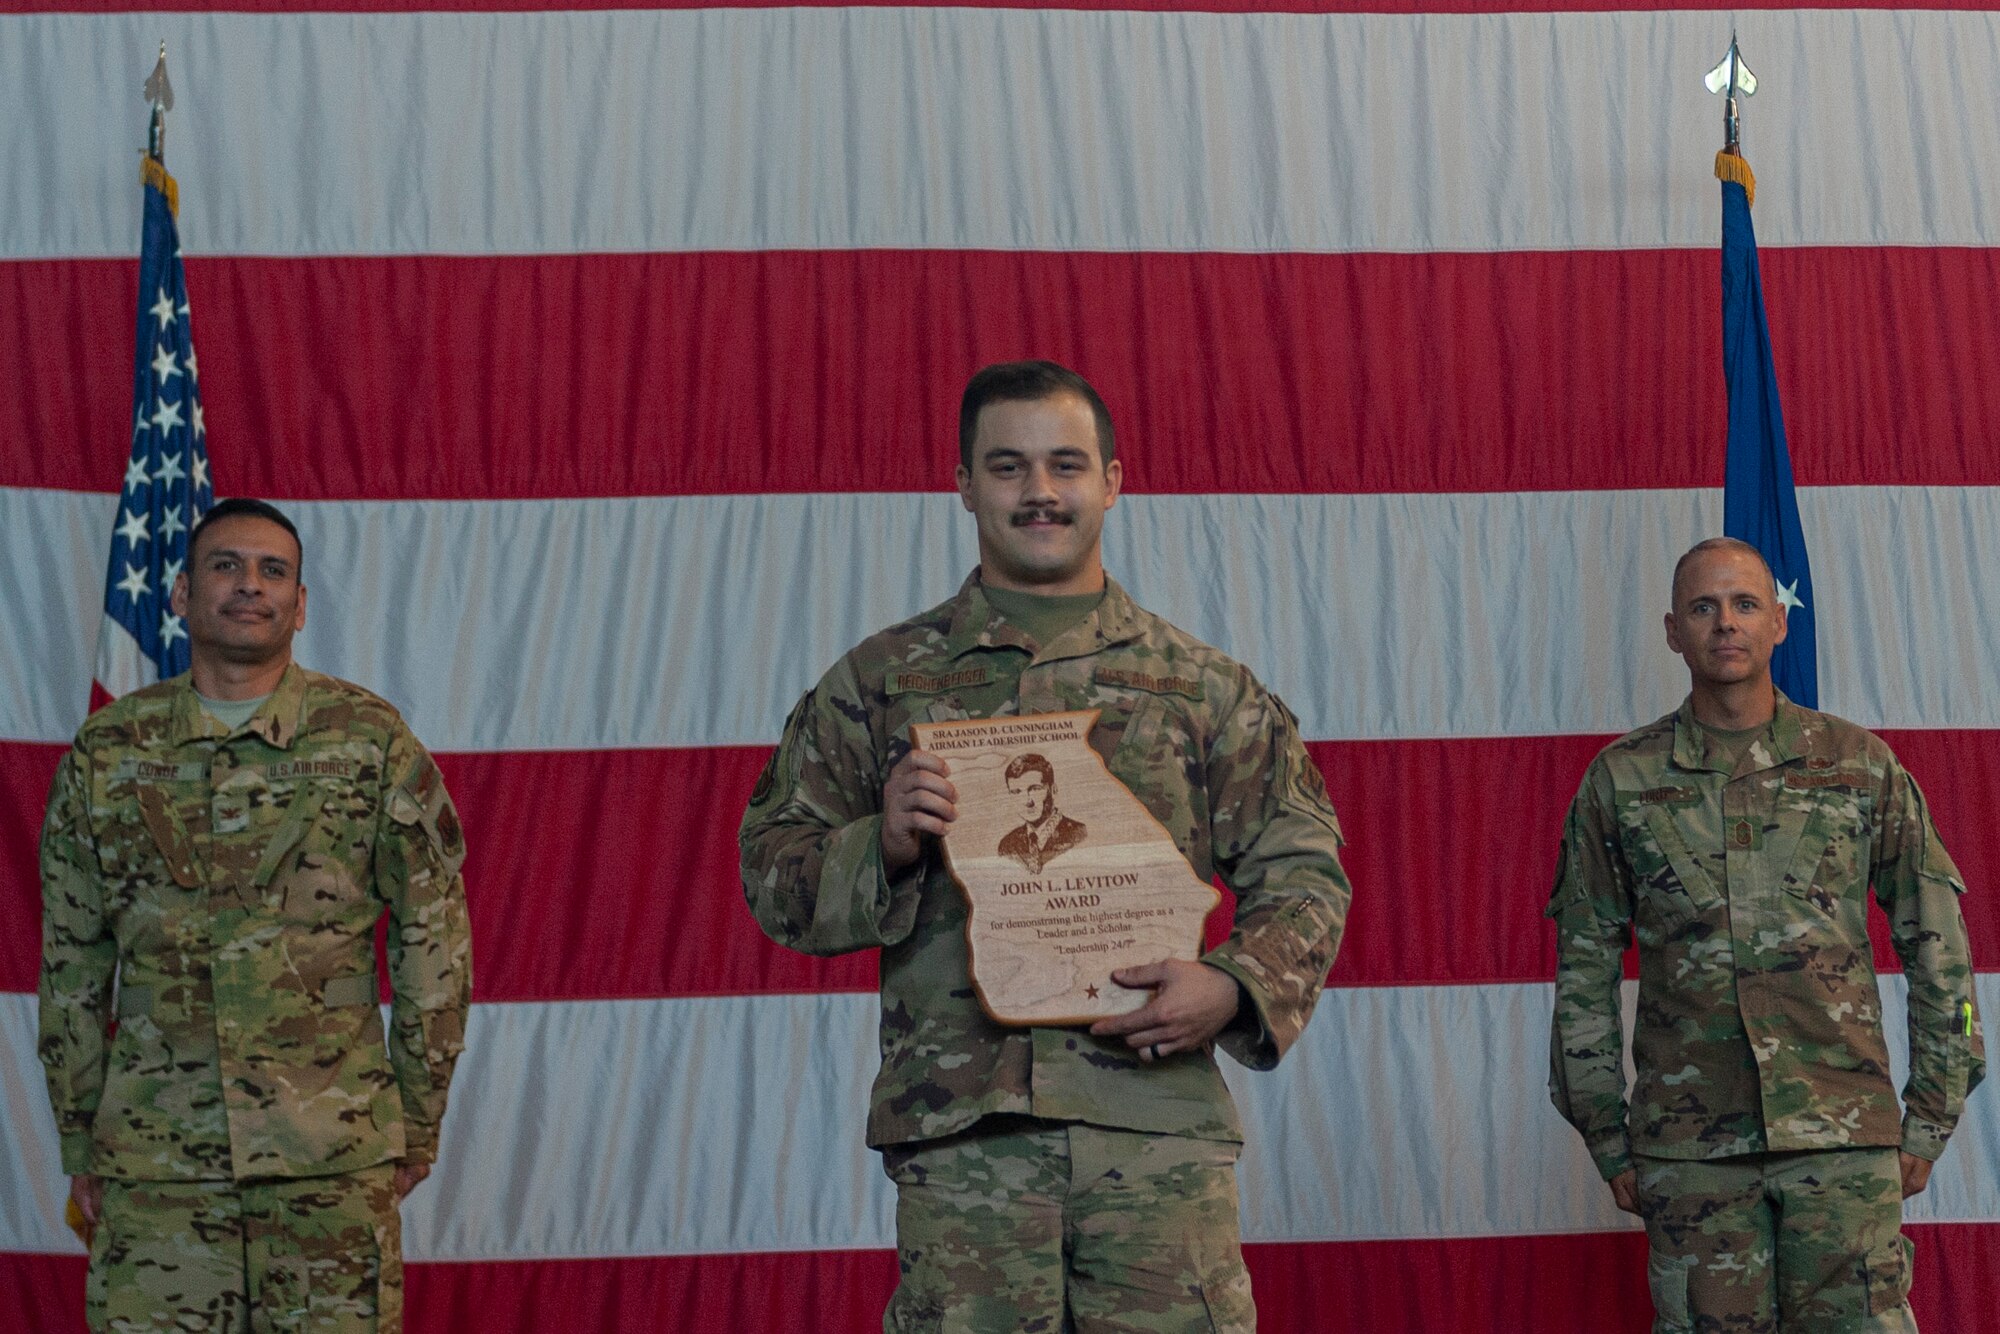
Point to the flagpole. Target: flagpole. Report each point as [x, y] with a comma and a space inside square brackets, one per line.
[166, 486]
[1759, 498]
[1729, 78]
[159, 94]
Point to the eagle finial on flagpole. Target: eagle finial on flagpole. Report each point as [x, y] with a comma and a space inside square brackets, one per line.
[160, 94]
[1730, 77]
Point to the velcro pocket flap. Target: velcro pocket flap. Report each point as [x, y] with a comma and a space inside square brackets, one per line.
[298, 818]
[1688, 869]
[360, 989]
[169, 836]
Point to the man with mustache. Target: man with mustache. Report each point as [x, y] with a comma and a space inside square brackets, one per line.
[1737, 838]
[1052, 1178]
[238, 1128]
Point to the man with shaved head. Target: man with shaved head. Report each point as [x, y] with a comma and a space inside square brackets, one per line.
[1737, 838]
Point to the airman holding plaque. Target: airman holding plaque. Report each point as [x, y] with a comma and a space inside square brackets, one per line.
[1022, 797]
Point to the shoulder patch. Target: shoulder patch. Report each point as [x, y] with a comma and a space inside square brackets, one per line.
[1189, 686]
[936, 683]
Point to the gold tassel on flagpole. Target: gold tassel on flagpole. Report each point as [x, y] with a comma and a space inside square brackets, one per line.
[155, 175]
[1731, 167]
[85, 1231]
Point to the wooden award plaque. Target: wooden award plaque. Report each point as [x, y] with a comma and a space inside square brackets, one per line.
[1066, 874]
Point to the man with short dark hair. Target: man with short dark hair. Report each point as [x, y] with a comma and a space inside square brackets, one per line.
[217, 851]
[1737, 838]
[1052, 1178]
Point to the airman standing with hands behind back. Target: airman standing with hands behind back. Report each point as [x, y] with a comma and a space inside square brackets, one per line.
[1738, 837]
[217, 851]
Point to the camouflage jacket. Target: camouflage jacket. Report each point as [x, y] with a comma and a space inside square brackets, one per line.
[1759, 1023]
[231, 881]
[1212, 754]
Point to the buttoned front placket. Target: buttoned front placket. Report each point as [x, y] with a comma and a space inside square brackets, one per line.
[229, 846]
[1746, 812]
[1041, 690]
[1756, 843]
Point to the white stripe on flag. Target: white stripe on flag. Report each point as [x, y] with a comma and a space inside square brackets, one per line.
[698, 621]
[994, 128]
[122, 666]
[672, 1127]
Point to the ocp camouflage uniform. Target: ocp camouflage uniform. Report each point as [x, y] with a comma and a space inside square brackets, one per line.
[1218, 760]
[1758, 1042]
[231, 882]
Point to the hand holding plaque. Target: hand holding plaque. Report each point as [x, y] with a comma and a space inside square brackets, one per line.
[1066, 874]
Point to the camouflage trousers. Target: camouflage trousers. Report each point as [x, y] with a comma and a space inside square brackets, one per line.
[1804, 1243]
[1023, 1226]
[315, 1253]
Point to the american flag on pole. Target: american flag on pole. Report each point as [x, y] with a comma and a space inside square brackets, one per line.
[167, 486]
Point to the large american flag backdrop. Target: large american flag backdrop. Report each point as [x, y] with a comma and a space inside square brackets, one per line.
[609, 360]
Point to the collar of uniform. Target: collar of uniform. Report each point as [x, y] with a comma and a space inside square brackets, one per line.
[1784, 737]
[191, 722]
[1114, 620]
[975, 624]
[1789, 738]
[277, 720]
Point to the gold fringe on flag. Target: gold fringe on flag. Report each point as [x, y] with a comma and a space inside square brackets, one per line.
[155, 175]
[78, 1224]
[1731, 167]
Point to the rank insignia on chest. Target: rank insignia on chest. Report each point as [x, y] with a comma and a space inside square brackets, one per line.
[1742, 834]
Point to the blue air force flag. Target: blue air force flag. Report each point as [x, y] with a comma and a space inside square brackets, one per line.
[167, 485]
[1759, 505]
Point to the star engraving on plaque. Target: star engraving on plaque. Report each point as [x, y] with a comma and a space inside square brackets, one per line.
[1091, 991]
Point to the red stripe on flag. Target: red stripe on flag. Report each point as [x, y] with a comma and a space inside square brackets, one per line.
[841, 370]
[593, 874]
[1588, 1283]
[26, 771]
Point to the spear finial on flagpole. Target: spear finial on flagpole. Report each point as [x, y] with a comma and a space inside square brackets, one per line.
[1729, 78]
[160, 94]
